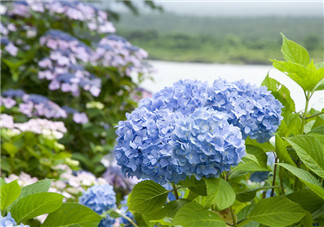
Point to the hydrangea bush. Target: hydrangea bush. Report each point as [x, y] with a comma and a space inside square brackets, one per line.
[70, 67]
[226, 154]
[232, 154]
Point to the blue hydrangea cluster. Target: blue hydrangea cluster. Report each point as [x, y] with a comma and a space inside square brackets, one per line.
[205, 144]
[8, 221]
[184, 97]
[253, 109]
[193, 129]
[100, 198]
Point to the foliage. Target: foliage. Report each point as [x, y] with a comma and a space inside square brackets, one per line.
[229, 154]
[291, 195]
[76, 71]
[25, 204]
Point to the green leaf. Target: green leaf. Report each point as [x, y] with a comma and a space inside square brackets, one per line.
[39, 186]
[72, 214]
[266, 147]
[276, 211]
[310, 151]
[254, 160]
[2, 182]
[300, 74]
[173, 206]
[147, 196]
[36, 204]
[195, 215]
[219, 192]
[280, 92]
[248, 195]
[305, 177]
[9, 193]
[319, 86]
[307, 199]
[196, 186]
[294, 52]
[307, 220]
[282, 152]
[317, 130]
[291, 125]
[242, 214]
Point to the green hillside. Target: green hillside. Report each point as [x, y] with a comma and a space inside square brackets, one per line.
[227, 40]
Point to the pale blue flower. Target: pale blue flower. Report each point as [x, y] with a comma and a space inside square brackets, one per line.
[100, 198]
[253, 109]
[8, 221]
[192, 129]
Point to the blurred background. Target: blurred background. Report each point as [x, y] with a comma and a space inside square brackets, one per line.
[210, 39]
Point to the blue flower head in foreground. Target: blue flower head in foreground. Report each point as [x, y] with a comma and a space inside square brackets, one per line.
[183, 96]
[100, 198]
[192, 129]
[205, 144]
[166, 147]
[253, 109]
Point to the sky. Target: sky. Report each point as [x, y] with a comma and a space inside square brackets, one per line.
[241, 7]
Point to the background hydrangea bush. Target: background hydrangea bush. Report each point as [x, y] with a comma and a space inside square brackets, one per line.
[194, 154]
[77, 72]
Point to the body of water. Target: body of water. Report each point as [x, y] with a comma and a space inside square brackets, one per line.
[170, 72]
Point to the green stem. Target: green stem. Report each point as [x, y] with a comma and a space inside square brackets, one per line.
[274, 176]
[282, 189]
[315, 115]
[175, 191]
[307, 96]
[233, 216]
[128, 219]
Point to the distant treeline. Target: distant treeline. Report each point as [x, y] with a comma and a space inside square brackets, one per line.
[227, 40]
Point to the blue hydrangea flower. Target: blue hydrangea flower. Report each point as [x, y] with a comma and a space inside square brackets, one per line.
[107, 221]
[14, 93]
[192, 129]
[253, 109]
[100, 198]
[205, 144]
[184, 96]
[262, 176]
[166, 147]
[143, 149]
[8, 221]
[259, 176]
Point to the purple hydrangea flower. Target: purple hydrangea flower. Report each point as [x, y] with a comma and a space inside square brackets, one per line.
[38, 105]
[7, 102]
[117, 52]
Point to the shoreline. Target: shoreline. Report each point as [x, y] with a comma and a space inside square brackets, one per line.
[210, 62]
